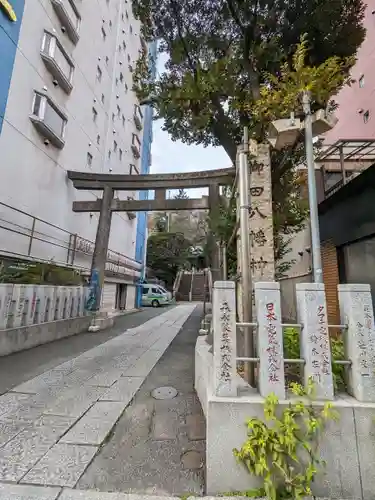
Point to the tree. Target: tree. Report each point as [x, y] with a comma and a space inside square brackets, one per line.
[223, 60]
[167, 253]
[182, 195]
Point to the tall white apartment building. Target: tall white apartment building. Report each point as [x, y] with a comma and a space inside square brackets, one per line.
[66, 103]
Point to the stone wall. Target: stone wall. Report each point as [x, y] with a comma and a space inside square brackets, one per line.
[347, 445]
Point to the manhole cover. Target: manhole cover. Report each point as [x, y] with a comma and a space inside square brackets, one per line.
[164, 393]
[192, 460]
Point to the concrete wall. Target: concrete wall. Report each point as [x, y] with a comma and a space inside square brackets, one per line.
[348, 445]
[20, 339]
[34, 177]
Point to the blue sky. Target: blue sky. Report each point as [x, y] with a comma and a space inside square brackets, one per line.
[169, 156]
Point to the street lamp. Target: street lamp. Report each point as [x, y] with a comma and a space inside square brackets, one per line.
[284, 133]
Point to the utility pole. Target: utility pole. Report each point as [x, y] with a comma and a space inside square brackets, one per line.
[313, 203]
[244, 192]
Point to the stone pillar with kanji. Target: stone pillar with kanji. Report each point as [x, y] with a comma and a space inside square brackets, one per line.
[314, 338]
[357, 313]
[271, 377]
[225, 345]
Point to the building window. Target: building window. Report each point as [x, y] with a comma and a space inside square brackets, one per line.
[118, 111]
[104, 34]
[119, 48]
[127, 15]
[129, 58]
[106, 60]
[110, 23]
[69, 17]
[113, 117]
[98, 139]
[114, 146]
[361, 82]
[126, 87]
[131, 29]
[99, 74]
[121, 77]
[57, 61]
[123, 120]
[89, 159]
[94, 115]
[124, 44]
[49, 120]
[109, 154]
[130, 68]
[102, 98]
[366, 116]
[120, 154]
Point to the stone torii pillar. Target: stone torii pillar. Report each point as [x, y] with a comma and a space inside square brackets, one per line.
[101, 245]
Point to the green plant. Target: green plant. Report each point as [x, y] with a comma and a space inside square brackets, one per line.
[282, 450]
[292, 351]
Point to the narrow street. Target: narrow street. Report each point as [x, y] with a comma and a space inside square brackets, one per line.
[85, 417]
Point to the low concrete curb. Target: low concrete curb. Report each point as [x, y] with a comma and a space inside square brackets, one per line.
[28, 492]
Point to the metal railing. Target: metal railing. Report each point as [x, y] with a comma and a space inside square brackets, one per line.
[35, 231]
[299, 361]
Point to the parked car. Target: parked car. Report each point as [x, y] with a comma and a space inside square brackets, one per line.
[155, 295]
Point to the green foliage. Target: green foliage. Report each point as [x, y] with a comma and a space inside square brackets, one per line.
[235, 65]
[36, 273]
[283, 449]
[221, 223]
[292, 351]
[167, 253]
[280, 94]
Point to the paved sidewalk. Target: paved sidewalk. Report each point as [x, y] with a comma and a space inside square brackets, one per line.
[158, 445]
[52, 426]
[22, 366]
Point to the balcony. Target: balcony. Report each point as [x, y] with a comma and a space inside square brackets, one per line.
[136, 146]
[342, 162]
[133, 170]
[57, 61]
[49, 120]
[138, 117]
[69, 17]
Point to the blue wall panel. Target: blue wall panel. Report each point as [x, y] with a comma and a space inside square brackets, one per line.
[141, 242]
[9, 35]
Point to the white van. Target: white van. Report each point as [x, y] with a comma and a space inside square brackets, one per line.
[155, 295]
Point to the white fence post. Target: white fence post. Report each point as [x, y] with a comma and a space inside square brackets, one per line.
[270, 339]
[314, 339]
[356, 311]
[224, 331]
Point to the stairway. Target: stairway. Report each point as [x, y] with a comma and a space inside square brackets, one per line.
[183, 292]
[198, 288]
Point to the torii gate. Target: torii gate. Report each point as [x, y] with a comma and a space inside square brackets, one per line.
[109, 183]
